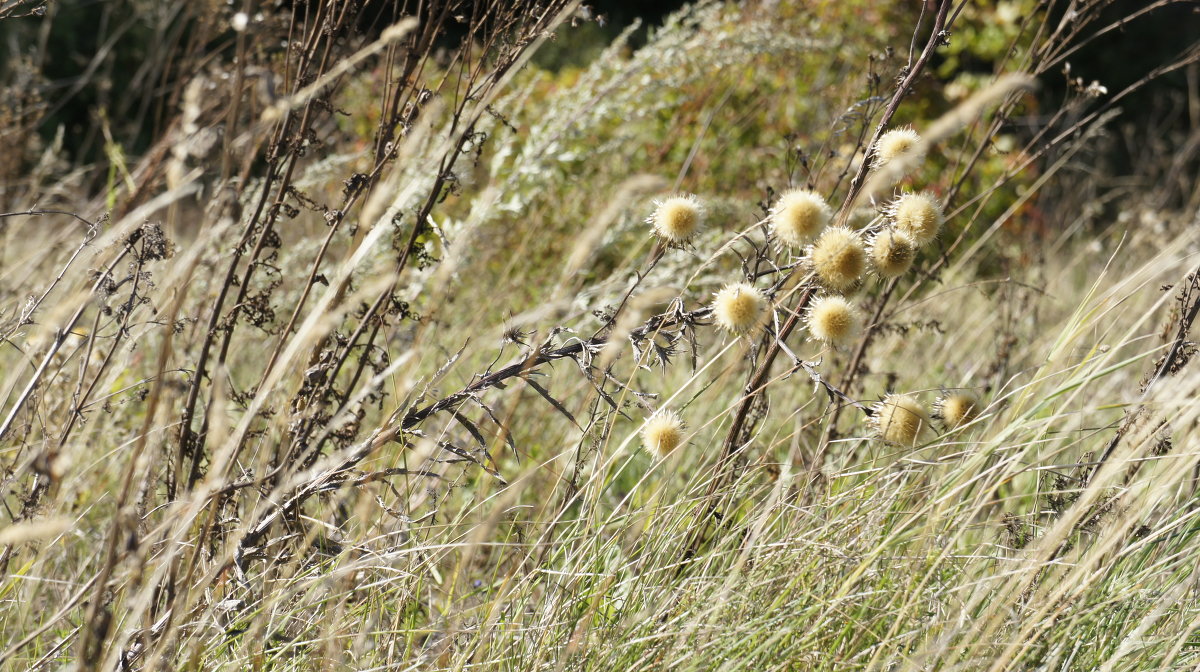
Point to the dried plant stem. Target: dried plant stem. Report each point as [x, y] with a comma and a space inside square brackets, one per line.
[856, 360]
[60, 336]
[936, 38]
[733, 442]
[1171, 362]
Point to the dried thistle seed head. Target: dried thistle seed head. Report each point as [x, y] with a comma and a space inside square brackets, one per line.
[895, 144]
[738, 307]
[956, 409]
[798, 216]
[892, 253]
[663, 433]
[677, 218]
[917, 214]
[900, 419]
[839, 259]
[834, 320]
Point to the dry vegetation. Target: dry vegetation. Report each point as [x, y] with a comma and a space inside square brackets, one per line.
[359, 335]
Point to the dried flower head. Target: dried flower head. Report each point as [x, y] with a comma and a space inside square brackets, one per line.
[677, 218]
[917, 214]
[663, 433]
[833, 320]
[897, 143]
[798, 216]
[738, 307]
[892, 252]
[956, 409]
[839, 259]
[900, 419]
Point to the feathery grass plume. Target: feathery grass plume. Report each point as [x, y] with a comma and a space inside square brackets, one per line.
[917, 214]
[900, 419]
[833, 320]
[738, 307]
[798, 216]
[956, 409]
[839, 259]
[892, 252]
[677, 218]
[663, 433]
[898, 143]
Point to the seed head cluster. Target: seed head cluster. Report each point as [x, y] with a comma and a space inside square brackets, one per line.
[839, 259]
[900, 419]
[917, 214]
[677, 219]
[839, 256]
[834, 321]
[798, 216]
[737, 308]
[663, 433]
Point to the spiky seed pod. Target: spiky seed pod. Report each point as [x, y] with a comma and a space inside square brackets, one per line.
[833, 320]
[839, 259]
[917, 214]
[900, 419]
[892, 253]
[897, 143]
[677, 218]
[663, 433]
[738, 307]
[956, 409]
[798, 216]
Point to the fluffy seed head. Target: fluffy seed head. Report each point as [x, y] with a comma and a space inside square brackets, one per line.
[918, 215]
[956, 409]
[900, 419]
[896, 143]
[833, 320]
[738, 307]
[839, 258]
[892, 253]
[798, 216]
[676, 219]
[663, 433]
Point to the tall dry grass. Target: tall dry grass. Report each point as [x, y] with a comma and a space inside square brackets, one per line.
[350, 365]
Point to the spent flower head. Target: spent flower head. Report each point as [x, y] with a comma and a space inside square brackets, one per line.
[738, 307]
[917, 214]
[900, 419]
[663, 433]
[798, 216]
[833, 320]
[677, 218]
[956, 409]
[839, 259]
[892, 252]
[898, 143]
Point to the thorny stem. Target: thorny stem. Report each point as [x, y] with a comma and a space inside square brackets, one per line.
[654, 325]
[359, 452]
